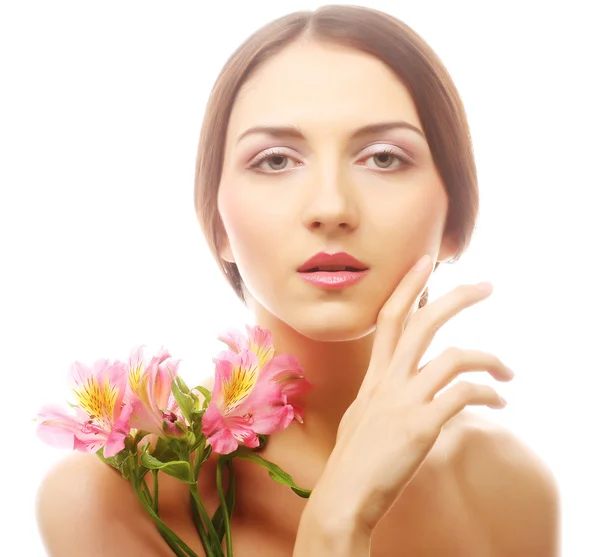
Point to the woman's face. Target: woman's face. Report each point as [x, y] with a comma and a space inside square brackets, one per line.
[326, 189]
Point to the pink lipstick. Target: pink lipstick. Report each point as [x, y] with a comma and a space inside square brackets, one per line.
[333, 271]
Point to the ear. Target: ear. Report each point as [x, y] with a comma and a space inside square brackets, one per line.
[223, 244]
[448, 249]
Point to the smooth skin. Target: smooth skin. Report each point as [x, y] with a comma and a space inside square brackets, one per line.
[397, 401]
[396, 470]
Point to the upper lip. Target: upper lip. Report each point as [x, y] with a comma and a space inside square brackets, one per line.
[325, 259]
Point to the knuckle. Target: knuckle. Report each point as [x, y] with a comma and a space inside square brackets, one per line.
[425, 319]
[496, 360]
[387, 314]
[464, 389]
[418, 316]
[491, 392]
[420, 431]
[453, 355]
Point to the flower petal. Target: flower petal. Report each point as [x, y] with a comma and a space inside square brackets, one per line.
[223, 372]
[56, 427]
[165, 374]
[241, 383]
[234, 339]
[261, 343]
[59, 429]
[135, 368]
[272, 419]
[285, 370]
[216, 432]
[144, 418]
[79, 373]
[150, 438]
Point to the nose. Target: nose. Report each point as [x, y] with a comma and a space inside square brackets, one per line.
[331, 202]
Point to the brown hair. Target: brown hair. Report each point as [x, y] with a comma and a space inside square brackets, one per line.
[406, 53]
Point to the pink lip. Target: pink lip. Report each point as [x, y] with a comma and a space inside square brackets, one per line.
[333, 280]
[323, 259]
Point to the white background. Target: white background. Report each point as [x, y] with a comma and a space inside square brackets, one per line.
[100, 112]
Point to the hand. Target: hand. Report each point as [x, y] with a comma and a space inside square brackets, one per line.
[393, 423]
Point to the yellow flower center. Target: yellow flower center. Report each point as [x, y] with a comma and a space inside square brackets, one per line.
[239, 387]
[98, 401]
[263, 353]
[135, 374]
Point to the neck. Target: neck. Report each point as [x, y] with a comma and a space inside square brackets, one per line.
[336, 371]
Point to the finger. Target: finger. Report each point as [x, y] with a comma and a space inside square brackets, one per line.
[449, 403]
[391, 319]
[441, 371]
[425, 323]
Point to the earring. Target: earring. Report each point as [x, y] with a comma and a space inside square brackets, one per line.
[424, 296]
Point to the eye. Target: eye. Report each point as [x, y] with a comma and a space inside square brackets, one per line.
[278, 158]
[386, 158]
[277, 161]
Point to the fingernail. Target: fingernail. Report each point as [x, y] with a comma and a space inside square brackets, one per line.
[484, 286]
[503, 400]
[423, 263]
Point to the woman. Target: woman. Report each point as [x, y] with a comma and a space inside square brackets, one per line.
[339, 132]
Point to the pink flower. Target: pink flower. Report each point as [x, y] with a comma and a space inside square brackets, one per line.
[254, 392]
[154, 408]
[259, 340]
[149, 438]
[101, 417]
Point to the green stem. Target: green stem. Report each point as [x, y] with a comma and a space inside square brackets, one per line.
[155, 498]
[200, 527]
[207, 534]
[197, 464]
[171, 543]
[224, 505]
[145, 492]
[200, 457]
[180, 548]
[206, 519]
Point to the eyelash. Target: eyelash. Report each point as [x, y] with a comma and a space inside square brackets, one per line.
[270, 153]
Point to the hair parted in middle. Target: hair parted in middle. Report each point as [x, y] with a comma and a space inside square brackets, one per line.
[406, 53]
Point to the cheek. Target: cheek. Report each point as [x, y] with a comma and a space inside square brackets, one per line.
[406, 227]
[252, 225]
[411, 212]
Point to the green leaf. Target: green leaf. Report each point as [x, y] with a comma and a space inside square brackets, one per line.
[179, 446]
[196, 422]
[200, 442]
[275, 472]
[181, 384]
[184, 400]
[179, 469]
[164, 452]
[182, 428]
[206, 393]
[122, 461]
[190, 439]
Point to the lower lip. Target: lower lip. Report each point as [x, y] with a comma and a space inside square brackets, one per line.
[334, 280]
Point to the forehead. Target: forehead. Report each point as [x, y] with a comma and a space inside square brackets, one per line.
[312, 83]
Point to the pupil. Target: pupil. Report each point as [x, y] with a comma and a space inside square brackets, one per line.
[384, 156]
[279, 158]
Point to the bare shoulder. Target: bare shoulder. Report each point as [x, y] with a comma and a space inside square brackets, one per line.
[85, 507]
[508, 486]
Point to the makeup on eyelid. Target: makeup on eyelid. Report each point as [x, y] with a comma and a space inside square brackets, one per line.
[371, 151]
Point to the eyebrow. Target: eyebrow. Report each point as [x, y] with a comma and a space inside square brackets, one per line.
[292, 131]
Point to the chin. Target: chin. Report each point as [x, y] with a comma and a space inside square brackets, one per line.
[323, 321]
[342, 327]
